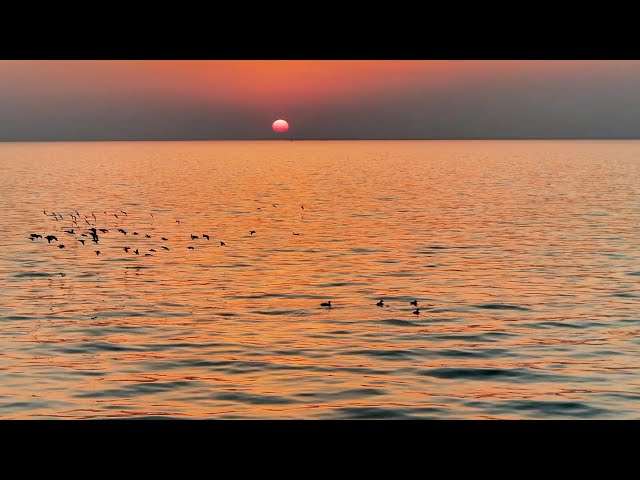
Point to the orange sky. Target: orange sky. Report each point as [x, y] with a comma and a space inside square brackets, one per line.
[170, 98]
[261, 82]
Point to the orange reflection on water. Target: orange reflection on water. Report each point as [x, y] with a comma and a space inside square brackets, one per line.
[522, 255]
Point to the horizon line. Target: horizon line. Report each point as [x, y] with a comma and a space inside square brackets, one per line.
[291, 139]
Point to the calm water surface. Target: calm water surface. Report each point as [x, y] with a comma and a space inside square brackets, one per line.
[524, 255]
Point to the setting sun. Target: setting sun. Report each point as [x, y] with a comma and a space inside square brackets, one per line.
[280, 126]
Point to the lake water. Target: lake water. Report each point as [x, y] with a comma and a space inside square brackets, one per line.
[524, 256]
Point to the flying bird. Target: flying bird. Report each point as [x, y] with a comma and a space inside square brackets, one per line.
[126, 249]
[81, 241]
[136, 252]
[190, 248]
[416, 312]
[166, 248]
[35, 235]
[60, 246]
[146, 235]
[165, 239]
[151, 250]
[193, 237]
[97, 253]
[222, 244]
[51, 237]
[380, 303]
[252, 232]
[205, 236]
[414, 303]
[122, 231]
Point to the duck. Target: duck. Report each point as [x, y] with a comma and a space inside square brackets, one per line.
[326, 304]
[380, 303]
[416, 311]
[414, 303]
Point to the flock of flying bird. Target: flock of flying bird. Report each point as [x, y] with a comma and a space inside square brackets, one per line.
[91, 220]
[76, 223]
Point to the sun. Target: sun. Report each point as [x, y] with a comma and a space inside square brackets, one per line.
[280, 126]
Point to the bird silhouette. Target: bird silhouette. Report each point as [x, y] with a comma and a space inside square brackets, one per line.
[252, 232]
[416, 311]
[296, 233]
[222, 244]
[191, 248]
[380, 303]
[97, 253]
[147, 235]
[70, 231]
[122, 231]
[165, 239]
[151, 250]
[326, 304]
[136, 233]
[193, 237]
[414, 303]
[165, 248]
[81, 241]
[35, 235]
[136, 252]
[60, 246]
[103, 230]
[205, 236]
[148, 255]
[126, 249]
[50, 238]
